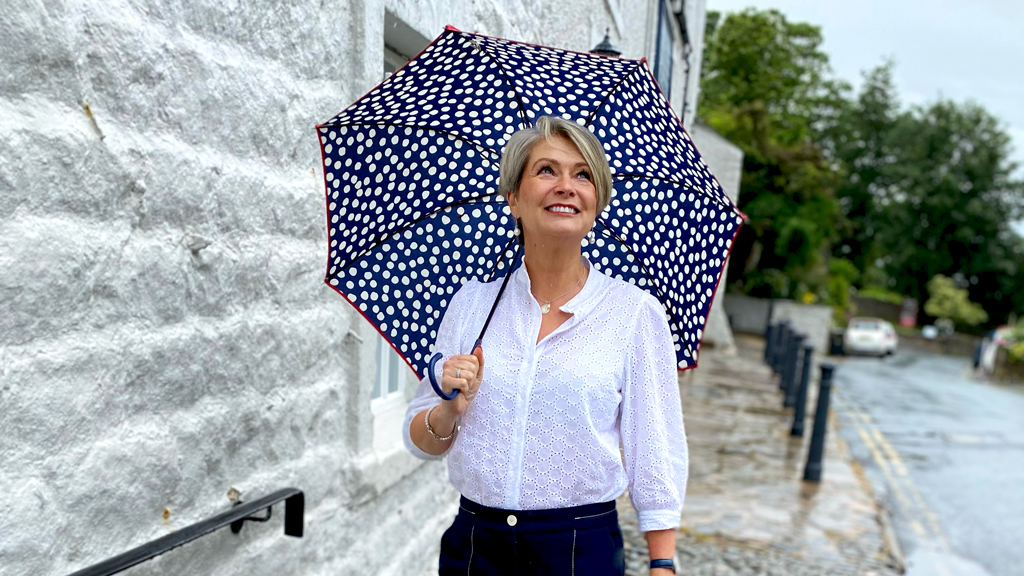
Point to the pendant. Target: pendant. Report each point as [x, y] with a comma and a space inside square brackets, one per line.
[545, 307]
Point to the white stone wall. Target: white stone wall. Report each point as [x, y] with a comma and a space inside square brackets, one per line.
[750, 315]
[164, 330]
[723, 157]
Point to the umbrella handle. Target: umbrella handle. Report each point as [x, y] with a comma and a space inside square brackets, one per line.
[433, 380]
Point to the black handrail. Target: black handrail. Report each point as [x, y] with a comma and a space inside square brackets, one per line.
[294, 506]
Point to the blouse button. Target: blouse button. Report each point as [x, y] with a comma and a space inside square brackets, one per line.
[511, 520]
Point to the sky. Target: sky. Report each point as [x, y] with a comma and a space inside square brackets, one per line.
[967, 50]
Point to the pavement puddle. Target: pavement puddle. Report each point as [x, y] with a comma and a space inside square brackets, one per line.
[936, 563]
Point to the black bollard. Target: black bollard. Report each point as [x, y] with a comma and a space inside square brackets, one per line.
[788, 380]
[769, 333]
[780, 346]
[812, 472]
[800, 402]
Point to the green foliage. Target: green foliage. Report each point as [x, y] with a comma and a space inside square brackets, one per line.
[764, 87]
[951, 205]
[1015, 343]
[902, 194]
[767, 71]
[842, 268]
[880, 293]
[842, 274]
[861, 141]
[1016, 352]
[949, 301]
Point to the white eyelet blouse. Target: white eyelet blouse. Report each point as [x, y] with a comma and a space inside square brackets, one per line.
[545, 427]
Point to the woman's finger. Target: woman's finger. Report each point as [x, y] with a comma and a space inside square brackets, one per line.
[470, 359]
[478, 355]
[451, 383]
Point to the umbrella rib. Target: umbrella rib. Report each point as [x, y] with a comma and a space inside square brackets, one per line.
[630, 176]
[418, 127]
[664, 300]
[610, 92]
[519, 100]
[463, 202]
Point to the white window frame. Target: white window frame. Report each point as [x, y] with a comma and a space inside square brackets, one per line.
[664, 60]
[389, 379]
[394, 60]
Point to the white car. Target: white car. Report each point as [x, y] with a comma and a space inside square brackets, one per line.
[869, 336]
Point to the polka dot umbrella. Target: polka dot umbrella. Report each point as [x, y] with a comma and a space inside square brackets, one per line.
[411, 173]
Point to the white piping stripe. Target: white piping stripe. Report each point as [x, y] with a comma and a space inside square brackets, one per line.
[573, 553]
[594, 515]
[470, 565]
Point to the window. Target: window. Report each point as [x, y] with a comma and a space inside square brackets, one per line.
[663, 50]
[393, 60]
[389, 372]
[392, 379]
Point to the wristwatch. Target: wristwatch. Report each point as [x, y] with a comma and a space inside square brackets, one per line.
[664, 563]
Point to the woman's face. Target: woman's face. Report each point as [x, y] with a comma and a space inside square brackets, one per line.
[556, 197]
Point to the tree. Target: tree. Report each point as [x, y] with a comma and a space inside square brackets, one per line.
[768, 75]
[862, 141]
[903, 195]
[949, 206]
[948, 301]
[765, 88]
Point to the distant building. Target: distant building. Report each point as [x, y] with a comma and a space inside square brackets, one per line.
[165, 334]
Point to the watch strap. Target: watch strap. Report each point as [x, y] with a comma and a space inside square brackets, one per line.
[664, 563]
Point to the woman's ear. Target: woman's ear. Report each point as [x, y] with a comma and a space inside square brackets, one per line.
[513, 203]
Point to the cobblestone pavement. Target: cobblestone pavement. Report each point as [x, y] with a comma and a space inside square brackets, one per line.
[747, 510]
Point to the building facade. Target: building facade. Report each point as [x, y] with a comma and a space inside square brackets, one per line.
[165, 334]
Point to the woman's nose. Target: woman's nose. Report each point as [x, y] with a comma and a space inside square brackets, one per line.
[565, 186]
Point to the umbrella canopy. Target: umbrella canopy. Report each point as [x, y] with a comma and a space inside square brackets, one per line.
[411, 173]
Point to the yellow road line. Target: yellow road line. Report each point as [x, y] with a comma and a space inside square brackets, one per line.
[901, 470]
[922, 520]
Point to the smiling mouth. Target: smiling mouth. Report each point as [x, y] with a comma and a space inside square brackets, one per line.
[561, 209]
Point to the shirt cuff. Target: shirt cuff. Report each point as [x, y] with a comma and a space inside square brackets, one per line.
[413, 448]
[658, 519]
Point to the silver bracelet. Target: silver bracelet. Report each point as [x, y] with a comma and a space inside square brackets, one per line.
[426, 420]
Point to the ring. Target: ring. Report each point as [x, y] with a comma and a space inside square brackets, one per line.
[457, 371]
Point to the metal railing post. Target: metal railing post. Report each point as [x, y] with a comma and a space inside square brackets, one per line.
[812, 471]
[769, 333]
[800, 402]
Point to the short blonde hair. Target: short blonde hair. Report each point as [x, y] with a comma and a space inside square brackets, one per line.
[520, 145]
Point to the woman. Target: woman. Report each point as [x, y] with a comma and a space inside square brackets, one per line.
[577, 363]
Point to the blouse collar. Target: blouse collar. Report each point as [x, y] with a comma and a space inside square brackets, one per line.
[580, 304]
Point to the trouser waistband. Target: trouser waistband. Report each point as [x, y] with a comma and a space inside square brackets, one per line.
[551, 518]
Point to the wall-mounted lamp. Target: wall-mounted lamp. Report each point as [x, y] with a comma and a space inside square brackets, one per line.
[606, 48]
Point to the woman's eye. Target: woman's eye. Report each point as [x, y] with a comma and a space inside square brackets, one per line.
[584, 174]
[545, 170]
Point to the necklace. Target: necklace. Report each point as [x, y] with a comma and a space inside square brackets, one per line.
[546, 306]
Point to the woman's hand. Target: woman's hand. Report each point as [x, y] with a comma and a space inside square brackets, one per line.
[443, 417]
[462, 372]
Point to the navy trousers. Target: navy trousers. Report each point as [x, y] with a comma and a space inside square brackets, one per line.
[584, 540]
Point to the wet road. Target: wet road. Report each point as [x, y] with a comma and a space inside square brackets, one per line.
[945, 454]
